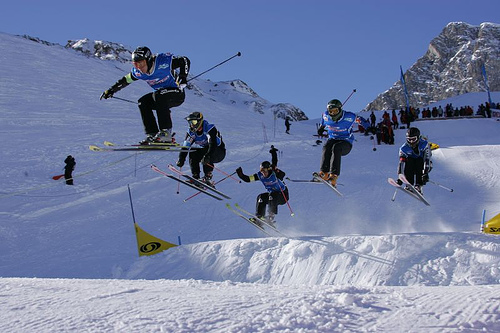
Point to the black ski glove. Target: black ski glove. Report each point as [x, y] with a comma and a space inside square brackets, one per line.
[107, 94]
[399, 181]
[321, 130]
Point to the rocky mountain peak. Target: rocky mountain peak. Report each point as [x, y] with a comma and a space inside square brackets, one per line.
[451, 66]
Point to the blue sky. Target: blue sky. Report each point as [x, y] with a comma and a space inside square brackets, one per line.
[304, 53]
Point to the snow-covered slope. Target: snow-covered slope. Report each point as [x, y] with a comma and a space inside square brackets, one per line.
[360, 244]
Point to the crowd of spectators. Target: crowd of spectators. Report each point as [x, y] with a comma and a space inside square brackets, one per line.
[384, 130]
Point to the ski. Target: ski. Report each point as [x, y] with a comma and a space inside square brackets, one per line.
[138, 148]
[262, 220]
[197, 182]
[318, 178]
[409, 192]
[413, 190]
[156, 169]
[151, 144]
[314, 181]
[255, 224]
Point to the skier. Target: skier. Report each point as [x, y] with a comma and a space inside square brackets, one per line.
[415, 159]
[277, 191]
[68, 169]
[339, 124]
[202, 134]
[167, 75]
[287, 125]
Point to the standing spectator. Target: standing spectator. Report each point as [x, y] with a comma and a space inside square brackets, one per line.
[373, 120]
[488, 110]
[440, 111]
[395, 123]
[68, 169]
[287, 125]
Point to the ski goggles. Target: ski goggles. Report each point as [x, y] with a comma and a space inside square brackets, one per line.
[412, 139]
[194, 123]
[333, 110]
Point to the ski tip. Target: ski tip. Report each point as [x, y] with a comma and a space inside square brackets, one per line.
[292, 214]
[109, 144]
[94, 148]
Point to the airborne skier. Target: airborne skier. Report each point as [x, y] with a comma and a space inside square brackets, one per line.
[204, 135]
[339, 124]
[167, 75]
[277, 191]
[415, 159]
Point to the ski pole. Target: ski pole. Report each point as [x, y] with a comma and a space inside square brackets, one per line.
[224, 173]
[394, 195]
[208, 70]
[126, 100]
[442, 186]
[288, 204]
[179, 183]
[217, 182]
[353, 91]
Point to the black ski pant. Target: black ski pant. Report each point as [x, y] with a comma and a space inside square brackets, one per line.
[160, 100]
[333, 150]
[195, 157]
[271, 199]
[414, 169]
[68, 176]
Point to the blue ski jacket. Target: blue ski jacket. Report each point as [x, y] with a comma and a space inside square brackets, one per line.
[161, 74]
[340, 129]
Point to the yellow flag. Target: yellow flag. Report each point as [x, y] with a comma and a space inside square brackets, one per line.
[433, 145]
[492, 226]
[148, 244]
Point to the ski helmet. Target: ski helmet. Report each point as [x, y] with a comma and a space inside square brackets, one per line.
[412, 136]
[265, 166]
[195, 120]
[141, 53]
[334, 108]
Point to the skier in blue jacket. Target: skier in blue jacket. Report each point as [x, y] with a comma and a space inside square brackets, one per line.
[211, 149]
[272, 178]
[415, 159]
[338, 124]
[167, 75]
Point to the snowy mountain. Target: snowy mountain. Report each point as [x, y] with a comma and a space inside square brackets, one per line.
[69, 257]
[450, 67]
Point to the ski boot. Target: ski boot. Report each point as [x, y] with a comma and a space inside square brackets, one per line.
[257, 220]
[207, 179]
[150, 138]
[332, 178]
[196, 183]
[270, 219]
[323, 175]
[164, 136]
[418, 188]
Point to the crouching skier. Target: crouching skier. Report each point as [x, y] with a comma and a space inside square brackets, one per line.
[277, 191]
[201, 134]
